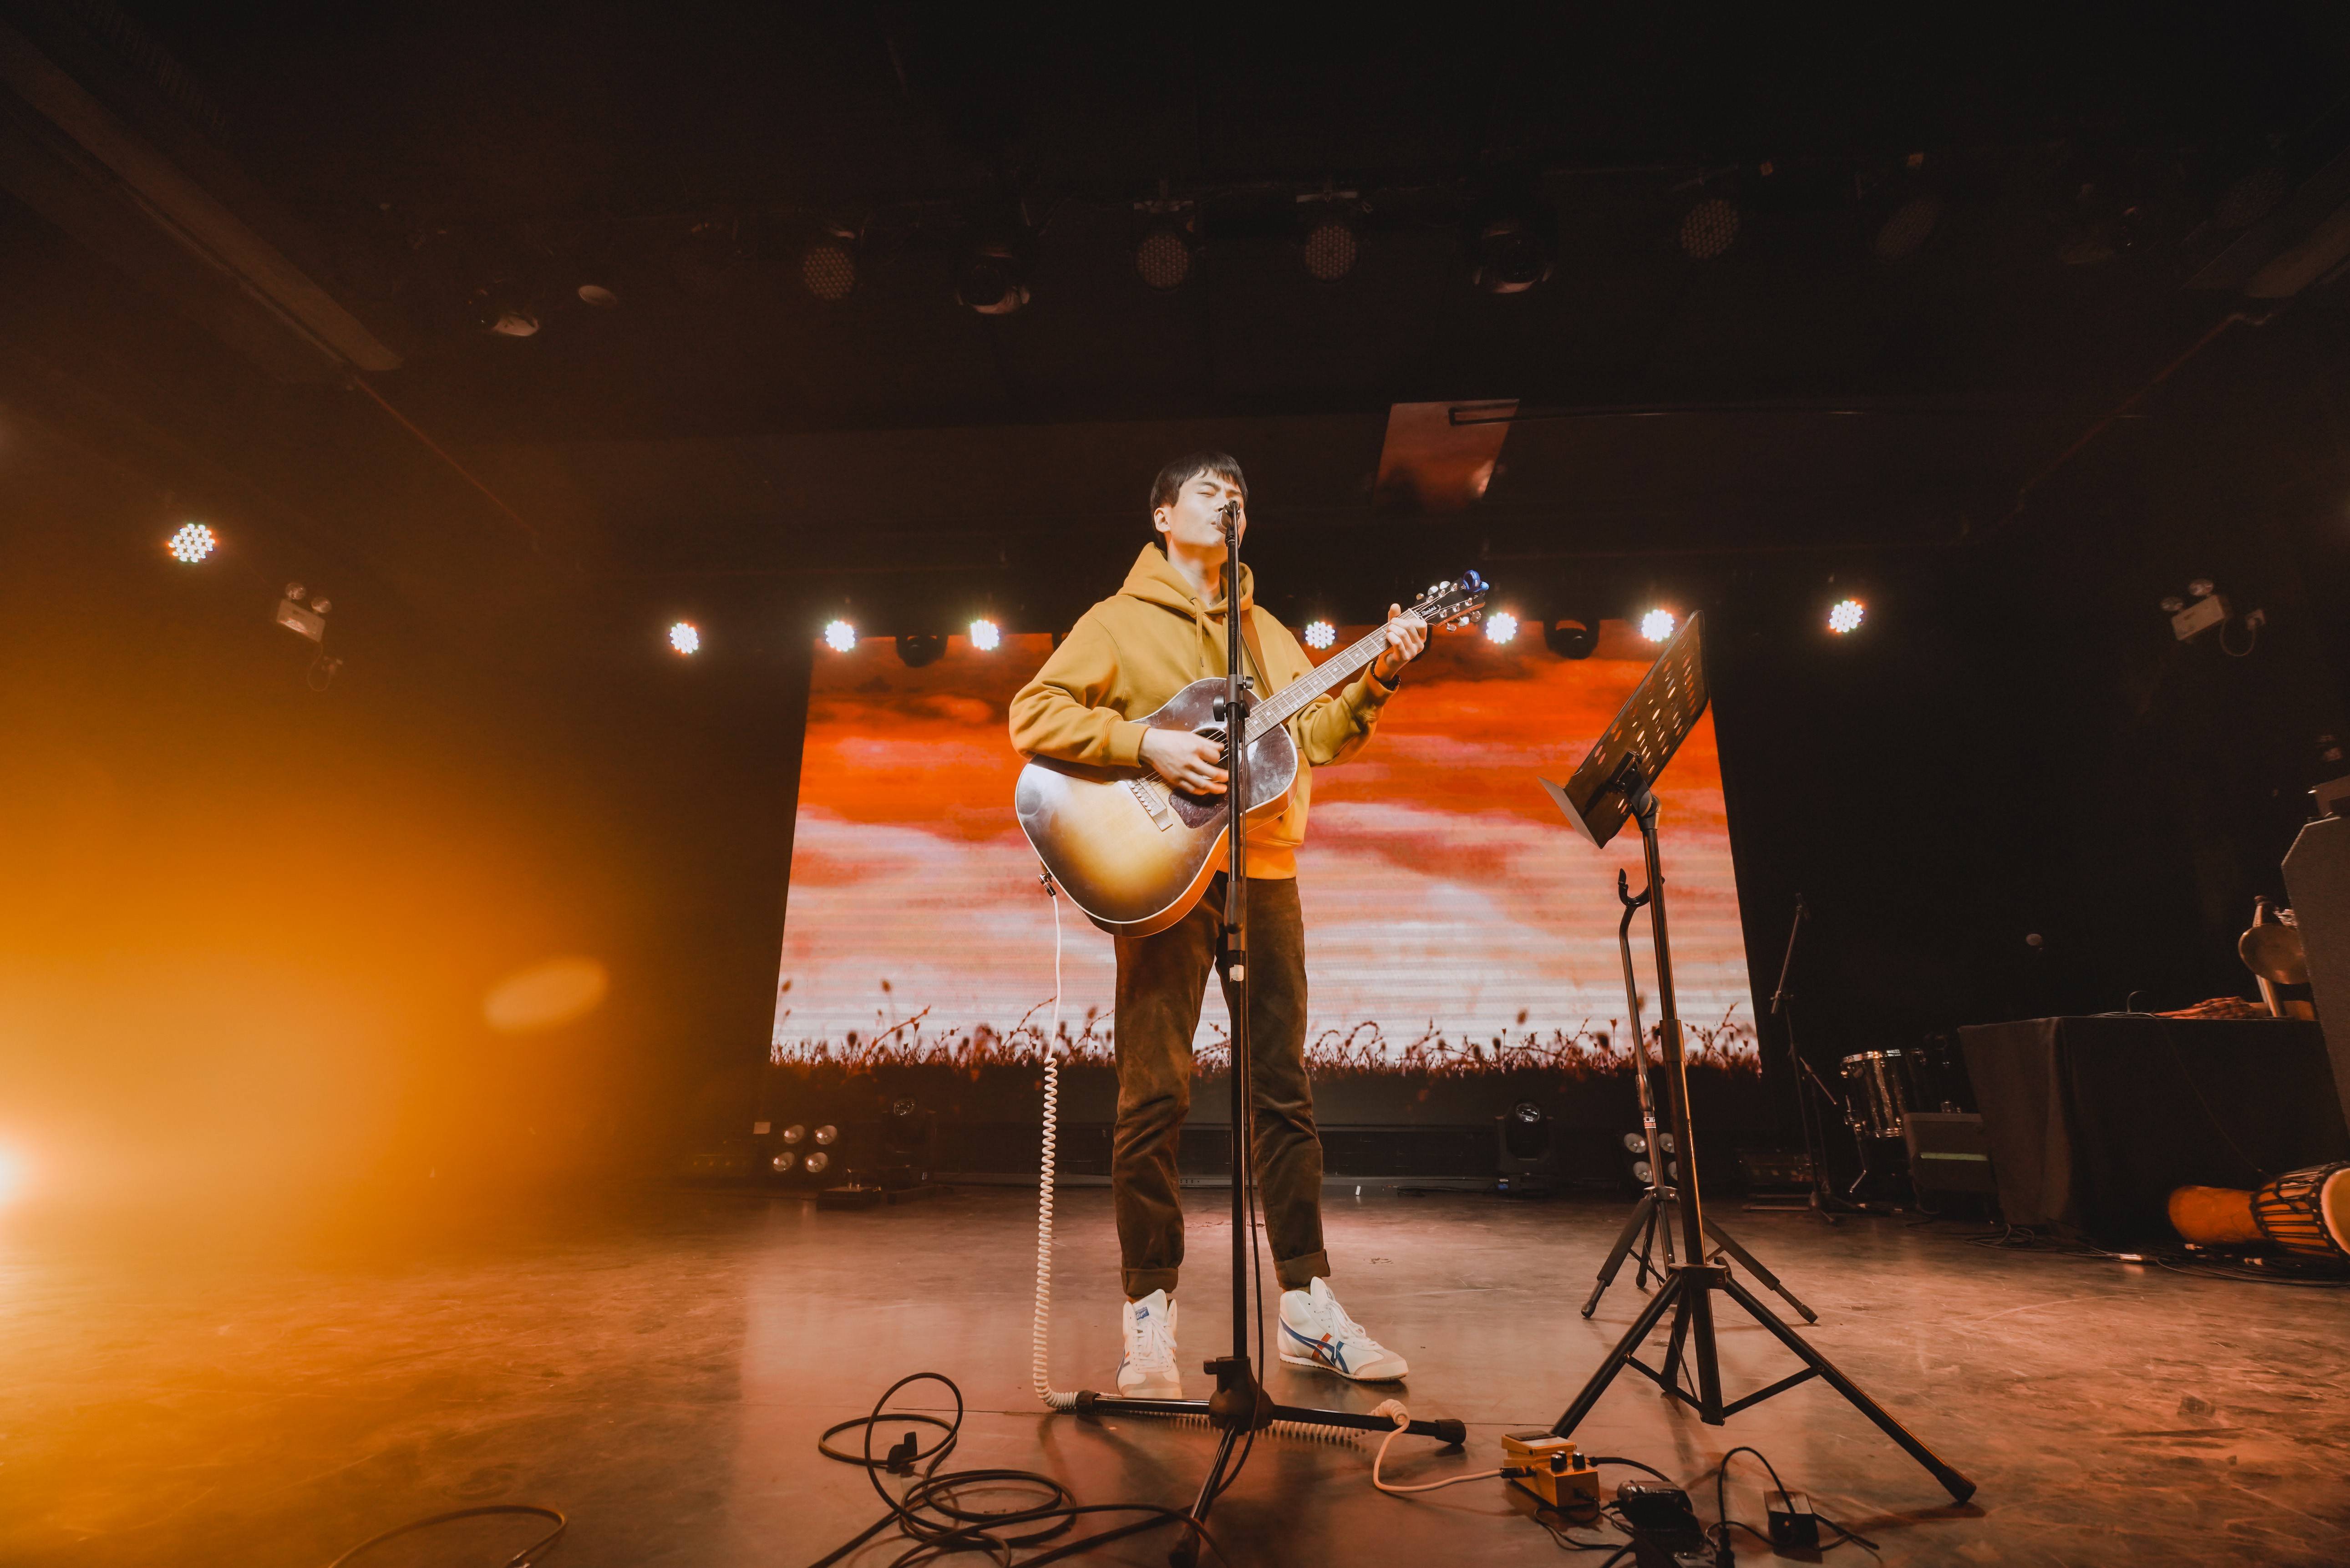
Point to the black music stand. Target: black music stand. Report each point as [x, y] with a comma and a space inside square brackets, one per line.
[1241, 1406]
[1651, 1215]
[1615, 782]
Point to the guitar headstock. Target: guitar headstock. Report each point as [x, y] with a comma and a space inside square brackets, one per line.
[1453, 603]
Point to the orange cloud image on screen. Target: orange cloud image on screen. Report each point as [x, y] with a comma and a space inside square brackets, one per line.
[1454, 919]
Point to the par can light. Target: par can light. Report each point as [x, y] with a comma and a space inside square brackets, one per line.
[826, 1135]
[684, 637]
[192, 543]
[1320, 634]
[840, 636]
[1846, 617]
[817, 1162]
[1500, 627]
[1657, 625]
[985, 635]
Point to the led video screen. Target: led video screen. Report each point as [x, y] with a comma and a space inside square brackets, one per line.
[1455, 921]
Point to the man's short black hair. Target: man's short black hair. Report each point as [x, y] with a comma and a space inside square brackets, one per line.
[1185, 469]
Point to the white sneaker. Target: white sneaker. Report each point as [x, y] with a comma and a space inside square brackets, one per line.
[1317, 1332]
[1146, 1370]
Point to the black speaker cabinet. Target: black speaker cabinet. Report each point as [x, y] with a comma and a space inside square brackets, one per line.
[1949, 1152]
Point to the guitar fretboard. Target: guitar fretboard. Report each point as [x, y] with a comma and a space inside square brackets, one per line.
[1285, 703]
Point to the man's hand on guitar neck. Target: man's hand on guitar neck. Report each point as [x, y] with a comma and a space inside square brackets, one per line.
[1407, 635]
[1192, 762]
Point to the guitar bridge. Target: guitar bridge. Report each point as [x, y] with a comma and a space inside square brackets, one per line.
[1154, 800]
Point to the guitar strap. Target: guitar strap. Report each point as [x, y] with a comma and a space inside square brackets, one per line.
[1256, 654]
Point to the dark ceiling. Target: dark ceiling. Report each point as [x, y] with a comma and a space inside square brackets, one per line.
[1958, 241]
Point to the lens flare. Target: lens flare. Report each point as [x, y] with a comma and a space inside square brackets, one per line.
[1501, 626]
[1657, 625]
[1320, 634]
[985, 635]
[684, 637]
[545, 994]
[192, 543]
[1846, 617]
[840, 636]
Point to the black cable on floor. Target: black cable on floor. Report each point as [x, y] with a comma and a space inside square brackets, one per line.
[521, 1559]
[940, 1525]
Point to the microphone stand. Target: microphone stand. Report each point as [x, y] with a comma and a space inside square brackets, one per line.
[1824, 1201]
[1242, 1407]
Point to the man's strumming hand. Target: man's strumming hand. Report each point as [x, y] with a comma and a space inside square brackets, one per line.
[1407, 635]
[1192, 764]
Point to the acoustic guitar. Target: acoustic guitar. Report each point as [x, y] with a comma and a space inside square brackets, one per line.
[1134, 852]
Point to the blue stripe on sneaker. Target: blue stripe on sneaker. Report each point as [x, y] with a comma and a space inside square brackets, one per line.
[1322, 1350]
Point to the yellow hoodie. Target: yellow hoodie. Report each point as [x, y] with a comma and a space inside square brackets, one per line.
[1131, 652]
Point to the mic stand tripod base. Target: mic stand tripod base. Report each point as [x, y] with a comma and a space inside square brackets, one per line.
[1448, 1430]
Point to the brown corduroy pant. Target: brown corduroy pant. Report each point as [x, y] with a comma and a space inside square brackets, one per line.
[1162, 983]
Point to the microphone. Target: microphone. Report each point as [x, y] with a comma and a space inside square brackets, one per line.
[1230, 513]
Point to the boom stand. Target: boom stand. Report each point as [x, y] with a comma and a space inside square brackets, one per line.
[1612, 785]
[1824, 1200]
[1241, 1407]
[1649, 1221]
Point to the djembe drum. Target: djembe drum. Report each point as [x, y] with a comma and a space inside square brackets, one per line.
[2304, 1212]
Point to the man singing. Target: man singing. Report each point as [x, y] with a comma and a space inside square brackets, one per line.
[1125, 656]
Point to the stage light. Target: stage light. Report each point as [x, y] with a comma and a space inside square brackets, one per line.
[684, 637]
[1575, 636]
[1509, 255]
[1910, 227]
[597, 297]
[992, 275]
[1846, 617]
[1709, 228]
[192, 543]
[916, 648]
[795, 1133]
[828, 268]
[1163, 260]
[304, 620]
[1500, 627]
[840, 636]
[1657, 625]
[1320, 634]
[1328, 247]
[502, 310]
[825, 1135]
[816, 1163]
[985, 635]
[782, 1164]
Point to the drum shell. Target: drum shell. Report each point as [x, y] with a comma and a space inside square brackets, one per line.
[1877, 1093]
[2308, 1211]
[2214, 1216]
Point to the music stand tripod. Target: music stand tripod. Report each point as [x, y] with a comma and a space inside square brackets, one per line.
[1241, 1407]
[1614, 783]
[1650, 1219]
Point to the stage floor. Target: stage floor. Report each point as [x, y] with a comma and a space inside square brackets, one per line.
[660, 1369]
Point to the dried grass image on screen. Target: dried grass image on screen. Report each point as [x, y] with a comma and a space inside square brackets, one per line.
[1455, 923]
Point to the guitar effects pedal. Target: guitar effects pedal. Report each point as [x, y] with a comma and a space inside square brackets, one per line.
[1552, 1471]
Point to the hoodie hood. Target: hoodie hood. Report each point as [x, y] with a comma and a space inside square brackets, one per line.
[1154, 580]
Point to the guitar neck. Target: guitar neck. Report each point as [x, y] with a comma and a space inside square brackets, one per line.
[1285, 704]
